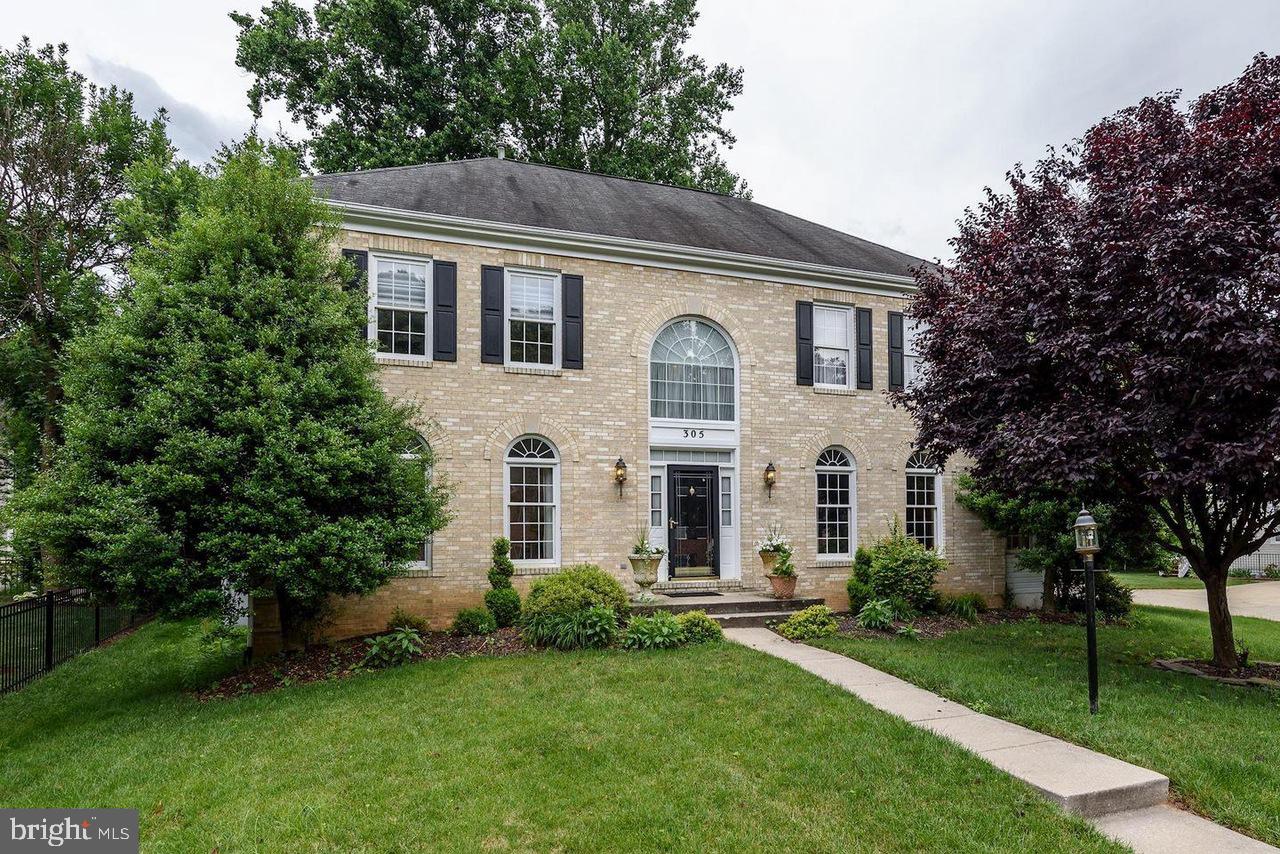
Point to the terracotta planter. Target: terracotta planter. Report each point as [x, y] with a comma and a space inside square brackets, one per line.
[769, 559]
[645, 572]
[784, 586]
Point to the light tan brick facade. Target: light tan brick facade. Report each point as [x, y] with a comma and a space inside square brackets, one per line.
[472, 411]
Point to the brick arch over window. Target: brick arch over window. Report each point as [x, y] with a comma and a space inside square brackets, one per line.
[437, 438]
[648, 325]
[817, 442]
[497, 442]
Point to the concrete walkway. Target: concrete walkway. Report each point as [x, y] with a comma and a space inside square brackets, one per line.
[1124, 801]
[1259, 599]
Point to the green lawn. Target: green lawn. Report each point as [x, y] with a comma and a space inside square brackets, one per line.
[700, 749]
[1219, 745]
[1151, 581]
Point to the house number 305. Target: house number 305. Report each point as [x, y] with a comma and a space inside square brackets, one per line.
[694, 433]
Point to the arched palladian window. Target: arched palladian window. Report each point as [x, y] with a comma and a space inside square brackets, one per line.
[922, 501]
[837, 490]
[691, 373]
[418, 449]
[533, 500]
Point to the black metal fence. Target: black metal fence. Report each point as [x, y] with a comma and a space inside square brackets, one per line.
[36, 635]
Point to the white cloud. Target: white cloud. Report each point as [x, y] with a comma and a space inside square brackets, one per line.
[884, 119]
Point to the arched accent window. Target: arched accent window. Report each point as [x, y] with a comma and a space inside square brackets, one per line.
[837, 490]
[416, 448]
[922, 501]
[533, 500]
[691, 373]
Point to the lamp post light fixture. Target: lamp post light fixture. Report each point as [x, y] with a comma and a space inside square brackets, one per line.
[620, 474]
[770, 477]
[1087, 545]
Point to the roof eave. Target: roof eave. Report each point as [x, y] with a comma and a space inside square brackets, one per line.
[501, 235]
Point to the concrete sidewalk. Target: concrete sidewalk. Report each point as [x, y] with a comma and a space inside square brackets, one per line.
[1124, 801]
[1259, 599]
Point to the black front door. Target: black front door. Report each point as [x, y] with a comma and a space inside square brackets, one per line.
[693, 529]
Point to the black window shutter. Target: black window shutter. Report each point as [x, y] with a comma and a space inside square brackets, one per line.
[571, 308]
[804, 343]
[444, 330]
[359, 283]
[491, 295]
[864, 347]
[895, 351]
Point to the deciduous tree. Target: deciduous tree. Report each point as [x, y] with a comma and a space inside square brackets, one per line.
[1113, 320]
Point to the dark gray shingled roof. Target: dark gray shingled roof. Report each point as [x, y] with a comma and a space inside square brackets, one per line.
[511, 191]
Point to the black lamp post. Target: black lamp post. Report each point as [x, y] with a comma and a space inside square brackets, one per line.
[1087, 546]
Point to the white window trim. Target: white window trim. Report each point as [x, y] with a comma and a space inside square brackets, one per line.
[554, 465]
[429, 543]
[852, 471]
[938, 528]
[851, 364]
[910, 358]
[557, 323]
[371, 318]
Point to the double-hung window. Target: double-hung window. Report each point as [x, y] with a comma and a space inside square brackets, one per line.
[836, 490]
[400, 297]
[832, 343]
[533, 317]
[533, 500]
[922, 501]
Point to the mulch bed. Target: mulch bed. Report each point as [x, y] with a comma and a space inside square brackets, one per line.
[938, 625]
[1260, 673]
[342, 658]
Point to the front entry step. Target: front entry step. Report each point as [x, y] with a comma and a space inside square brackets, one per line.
[738, 610]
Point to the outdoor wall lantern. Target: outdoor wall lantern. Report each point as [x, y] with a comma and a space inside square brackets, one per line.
[770, 477]
[1087, 545]
[620, 474]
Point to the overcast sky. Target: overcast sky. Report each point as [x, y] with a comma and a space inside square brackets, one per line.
[883, 119]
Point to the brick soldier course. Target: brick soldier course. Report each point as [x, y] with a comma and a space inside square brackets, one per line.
[478, 214]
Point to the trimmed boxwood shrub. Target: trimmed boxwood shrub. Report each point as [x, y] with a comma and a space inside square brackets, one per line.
[575, 589]
[698, 627]
[659, 630]
[504, 604]
[502, 569]
[816, 621]
[474, 621]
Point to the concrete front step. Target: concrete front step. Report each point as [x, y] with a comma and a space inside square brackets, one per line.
[726, 604]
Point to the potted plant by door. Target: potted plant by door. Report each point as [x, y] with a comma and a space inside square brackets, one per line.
[783, 577]
[772, 547]
[645, 557]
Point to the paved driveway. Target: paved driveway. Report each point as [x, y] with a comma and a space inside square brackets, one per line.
[1261, 599]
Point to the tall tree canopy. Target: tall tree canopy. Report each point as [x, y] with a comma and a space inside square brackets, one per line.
[601, 85]
[224, 431]
[1113, 321]
[65, 149]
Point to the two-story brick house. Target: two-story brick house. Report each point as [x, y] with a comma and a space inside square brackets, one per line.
[553, 323]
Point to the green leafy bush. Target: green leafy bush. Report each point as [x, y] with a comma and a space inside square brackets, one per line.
[698, 627]
[816, 621]
[1114, 599]
[474, 621]
[966, 606]
[396, 647]
[588, 628]
[574, 589]
[402, 619]
[660, 630]
[504, 604]
[502, 569]
[1271, 570]
[902, 609]
[876, 614]
[908, 632]
[900, 567]
[859, 584]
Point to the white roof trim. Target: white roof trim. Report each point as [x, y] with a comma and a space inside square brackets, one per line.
[525, 238]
